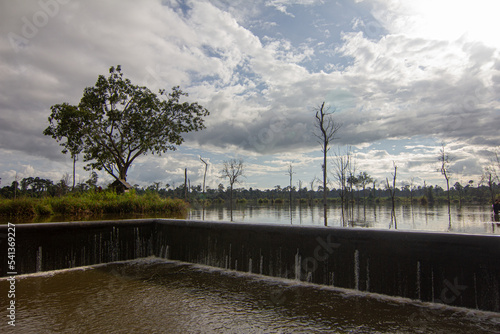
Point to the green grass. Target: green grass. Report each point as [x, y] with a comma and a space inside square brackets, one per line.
[92, 204]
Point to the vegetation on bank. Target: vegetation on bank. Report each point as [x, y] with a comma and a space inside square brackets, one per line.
[92, 203]
[421, 200]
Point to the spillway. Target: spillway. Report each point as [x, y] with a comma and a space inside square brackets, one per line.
[453, 269]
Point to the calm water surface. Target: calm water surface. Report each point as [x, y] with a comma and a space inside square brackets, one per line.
[477, 219]
[464, 219]
[158, 296]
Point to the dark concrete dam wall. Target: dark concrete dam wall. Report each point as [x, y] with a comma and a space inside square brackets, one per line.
[453, 269]
[52, 246]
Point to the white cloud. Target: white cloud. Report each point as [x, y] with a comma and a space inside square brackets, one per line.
[281, 5]
[387, 82]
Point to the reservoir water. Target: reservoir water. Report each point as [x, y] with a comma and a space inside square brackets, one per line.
[477, 219]
[158, 296]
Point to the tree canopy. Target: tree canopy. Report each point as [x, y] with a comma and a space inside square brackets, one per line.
[116, 122]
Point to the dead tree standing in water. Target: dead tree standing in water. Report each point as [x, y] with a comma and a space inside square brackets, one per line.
[326, 129]
[204, 178]
[392, 191]
[232, 170]
[445, 171]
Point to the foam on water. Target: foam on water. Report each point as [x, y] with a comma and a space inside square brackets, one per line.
[348, 293]
[223, 300]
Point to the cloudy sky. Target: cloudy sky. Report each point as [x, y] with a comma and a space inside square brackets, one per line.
[402, 76]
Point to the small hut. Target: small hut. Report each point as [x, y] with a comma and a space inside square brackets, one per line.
[121, 186]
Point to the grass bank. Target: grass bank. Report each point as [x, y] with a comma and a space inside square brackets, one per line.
[92, 204]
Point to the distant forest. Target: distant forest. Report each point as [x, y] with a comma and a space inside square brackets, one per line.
[470, 193]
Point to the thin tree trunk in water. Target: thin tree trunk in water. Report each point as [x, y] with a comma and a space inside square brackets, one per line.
[291, 194]
[327, 129]
[74, 163]
[231, 201]
[204, 178]
[392, 191]
[343, 214]
[449, 201]
[324, 182]
[185, 184]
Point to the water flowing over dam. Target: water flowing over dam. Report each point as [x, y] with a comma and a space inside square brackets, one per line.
[452, 269]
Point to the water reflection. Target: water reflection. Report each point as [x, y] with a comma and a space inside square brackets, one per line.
[157, 296]
[464, 219]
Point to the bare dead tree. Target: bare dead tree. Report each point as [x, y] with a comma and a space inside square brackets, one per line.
[490, 174]
[185, 184]
[290, 173]
[392, 192]
[204, 178]
[326, 128]
[412, 187]
[488, 178]
[311, 195]
[445, 160]
[204, 175]
[300, 191]
[351, 181]
[75, 159]
[232, 170]
[342, 164]
[496, 161]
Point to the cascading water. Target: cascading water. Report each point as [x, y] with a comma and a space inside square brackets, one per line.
[421, 266]
[39, 259]
[356, 269]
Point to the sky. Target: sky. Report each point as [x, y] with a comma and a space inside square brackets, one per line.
[402, 77]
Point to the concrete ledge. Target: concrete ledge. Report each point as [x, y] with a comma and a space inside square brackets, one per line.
[454, 269]
[53, 246]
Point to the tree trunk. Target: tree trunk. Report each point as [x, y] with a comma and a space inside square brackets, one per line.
[185, 184]
[231, 201]
[324, 181]
[122, 170]
[74, 177]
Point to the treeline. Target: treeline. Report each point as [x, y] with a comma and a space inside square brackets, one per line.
[479, 194]
[40, 187]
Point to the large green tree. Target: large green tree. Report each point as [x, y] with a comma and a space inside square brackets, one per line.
[116, 122]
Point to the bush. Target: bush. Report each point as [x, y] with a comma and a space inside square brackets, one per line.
[93, 204]
[43, 209]
[20, 207]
